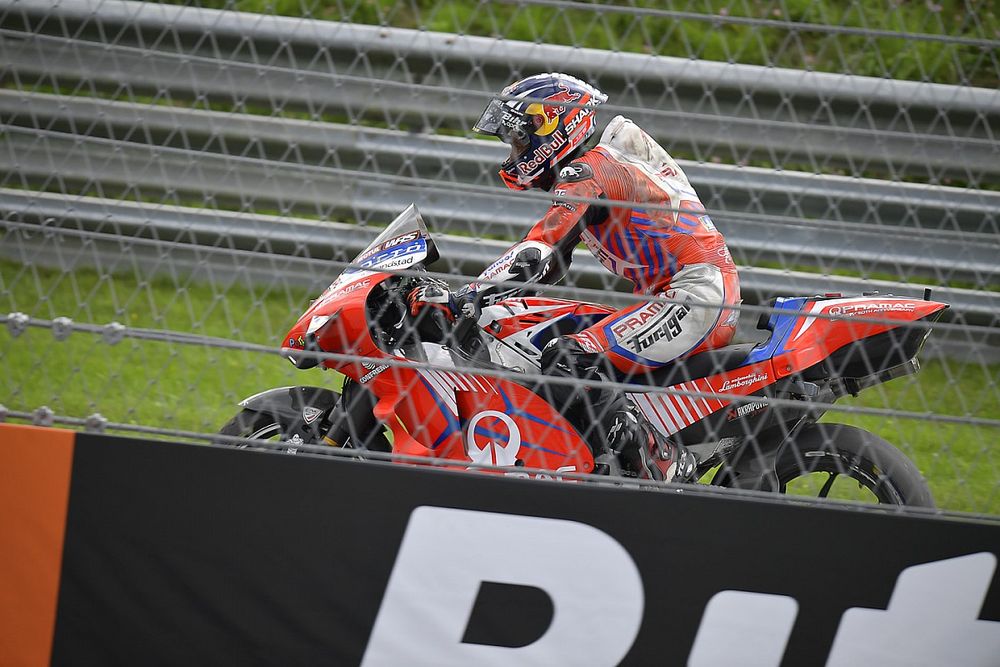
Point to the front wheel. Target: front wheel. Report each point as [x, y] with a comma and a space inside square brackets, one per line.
[848, 463]
[257, 425]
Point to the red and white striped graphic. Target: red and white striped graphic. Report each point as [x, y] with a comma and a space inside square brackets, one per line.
[446, 383]
[671, 412]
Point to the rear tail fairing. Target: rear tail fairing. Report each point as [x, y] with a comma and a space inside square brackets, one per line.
[806, 359]
[837, 344]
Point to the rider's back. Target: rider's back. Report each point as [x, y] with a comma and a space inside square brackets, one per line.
[661, 227]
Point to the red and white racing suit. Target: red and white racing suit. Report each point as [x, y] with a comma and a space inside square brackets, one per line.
[661, 239]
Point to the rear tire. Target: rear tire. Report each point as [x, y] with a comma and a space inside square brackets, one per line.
[839, 450]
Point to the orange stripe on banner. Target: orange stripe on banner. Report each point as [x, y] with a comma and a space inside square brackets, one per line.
[35, 469]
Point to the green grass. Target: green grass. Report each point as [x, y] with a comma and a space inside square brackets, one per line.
[138, 382]
[196, 388]
[598, 27]
[962, 462]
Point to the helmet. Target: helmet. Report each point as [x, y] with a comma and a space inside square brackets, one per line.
[530, 115]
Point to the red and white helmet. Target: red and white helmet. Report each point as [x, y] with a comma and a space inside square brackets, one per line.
[544, 118]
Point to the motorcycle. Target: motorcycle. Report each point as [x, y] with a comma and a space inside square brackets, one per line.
[471, 396]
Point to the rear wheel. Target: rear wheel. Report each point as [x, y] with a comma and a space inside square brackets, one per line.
[845, 463]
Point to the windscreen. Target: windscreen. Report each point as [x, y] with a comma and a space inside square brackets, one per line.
[401, 245]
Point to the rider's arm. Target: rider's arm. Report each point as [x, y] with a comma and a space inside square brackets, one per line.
[545, 253]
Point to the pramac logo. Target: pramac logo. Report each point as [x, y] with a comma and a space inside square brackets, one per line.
[497, 442]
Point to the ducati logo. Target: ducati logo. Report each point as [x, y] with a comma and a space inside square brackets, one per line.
[309, 414]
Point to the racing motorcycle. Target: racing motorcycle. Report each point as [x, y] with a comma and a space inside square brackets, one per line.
[469, 396]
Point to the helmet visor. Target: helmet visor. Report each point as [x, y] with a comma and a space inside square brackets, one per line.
[499, 120]
[489, 122]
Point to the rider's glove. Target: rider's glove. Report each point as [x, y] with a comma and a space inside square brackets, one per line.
[467, 302]
[436, 296]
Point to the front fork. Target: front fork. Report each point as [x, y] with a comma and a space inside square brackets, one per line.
[352, 420]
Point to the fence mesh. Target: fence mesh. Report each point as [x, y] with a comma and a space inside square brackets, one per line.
[198, 172]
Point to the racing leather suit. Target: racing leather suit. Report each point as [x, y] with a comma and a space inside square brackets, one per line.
[659, 238]
[654, 232]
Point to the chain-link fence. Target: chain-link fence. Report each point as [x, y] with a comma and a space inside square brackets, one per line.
[178, 181]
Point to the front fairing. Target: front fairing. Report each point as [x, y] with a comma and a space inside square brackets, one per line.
[335, 322]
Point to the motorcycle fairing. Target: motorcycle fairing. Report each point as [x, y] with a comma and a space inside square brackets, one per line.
[799, 341]
[404, 244]
[462, 416]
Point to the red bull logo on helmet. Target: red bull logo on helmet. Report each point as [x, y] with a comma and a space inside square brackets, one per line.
[541, 155]
[551, 108]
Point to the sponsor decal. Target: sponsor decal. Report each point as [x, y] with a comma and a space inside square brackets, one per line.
[653, 322]
[395, 263]
[501, 265]
[542, 154]
[543, 476]
[670, 328]
[397, 255]
[335, 292]
[373, 371]
[550, 109]
[575, 121]
[398, 240]
[745, 381]
[860, 309]
[638, 318]
[553, 106]
[745, 409]
[561, 202]
[310, 414]
[575, 172]
[354, 287]
[493, 449]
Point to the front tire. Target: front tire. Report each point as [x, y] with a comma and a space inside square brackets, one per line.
[256, 425]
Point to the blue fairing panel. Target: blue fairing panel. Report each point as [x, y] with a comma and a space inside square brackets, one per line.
[781, 326]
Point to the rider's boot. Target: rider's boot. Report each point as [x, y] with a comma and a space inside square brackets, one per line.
[645, 453]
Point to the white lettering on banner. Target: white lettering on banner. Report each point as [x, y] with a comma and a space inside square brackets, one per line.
[426, 609]
[755, 627]
[932, 619]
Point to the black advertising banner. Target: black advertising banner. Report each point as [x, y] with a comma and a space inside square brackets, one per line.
[181, 554]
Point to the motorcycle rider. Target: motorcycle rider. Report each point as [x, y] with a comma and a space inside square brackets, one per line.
[654, 232]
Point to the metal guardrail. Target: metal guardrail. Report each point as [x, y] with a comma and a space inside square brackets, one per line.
[721, 187]
[256, 248]
[799, 114]
[777, 205]
[40, 155]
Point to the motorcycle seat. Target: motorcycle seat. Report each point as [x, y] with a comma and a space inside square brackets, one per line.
[700, 365]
